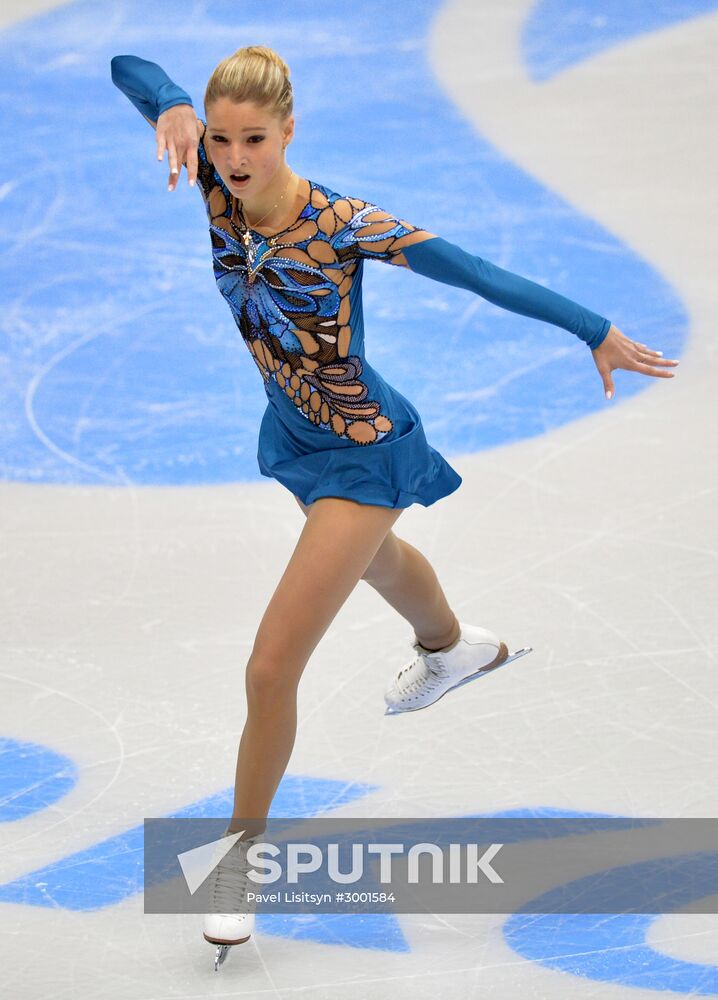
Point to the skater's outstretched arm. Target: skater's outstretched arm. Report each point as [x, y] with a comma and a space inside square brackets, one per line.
[154, 95]
[381, 236]
[444, 261]
[437, 258]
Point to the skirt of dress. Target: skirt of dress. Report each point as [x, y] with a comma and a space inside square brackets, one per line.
[312, 462]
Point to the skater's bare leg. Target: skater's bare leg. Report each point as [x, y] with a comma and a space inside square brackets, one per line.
[338, 542]
[406, 580]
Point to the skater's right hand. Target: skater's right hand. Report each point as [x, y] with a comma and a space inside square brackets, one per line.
[178, 131]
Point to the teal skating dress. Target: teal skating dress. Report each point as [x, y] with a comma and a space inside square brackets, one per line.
[332, 425]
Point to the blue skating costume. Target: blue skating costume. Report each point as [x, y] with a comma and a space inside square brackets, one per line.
[333, 426]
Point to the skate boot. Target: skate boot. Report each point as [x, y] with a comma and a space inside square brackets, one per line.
[228, 884]
[431, 675]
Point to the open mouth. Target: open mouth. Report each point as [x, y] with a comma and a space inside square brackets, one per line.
[239, 178]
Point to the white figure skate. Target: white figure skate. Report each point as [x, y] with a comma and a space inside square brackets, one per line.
[431, 675]
[228, 884]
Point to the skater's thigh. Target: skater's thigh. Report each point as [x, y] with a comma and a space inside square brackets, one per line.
[386, 560]
[338, 542]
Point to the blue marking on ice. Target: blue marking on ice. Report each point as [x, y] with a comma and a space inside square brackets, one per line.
[612, 947]
[113, 869]
[32, 777]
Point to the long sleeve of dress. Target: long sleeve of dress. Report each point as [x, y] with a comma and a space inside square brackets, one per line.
[437, 258]
[375, 234]
[147, 85]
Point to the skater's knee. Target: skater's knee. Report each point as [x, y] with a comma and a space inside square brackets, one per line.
[268, 680]
[386, 564]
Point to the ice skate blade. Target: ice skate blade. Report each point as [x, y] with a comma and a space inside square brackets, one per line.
[471, 677]
[223, 950]
[220, 955]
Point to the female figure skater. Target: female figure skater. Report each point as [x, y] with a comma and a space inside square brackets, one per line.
[288, 254]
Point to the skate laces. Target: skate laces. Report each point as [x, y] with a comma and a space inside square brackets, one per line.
[230, 879]
[434, 661]
[426, 671]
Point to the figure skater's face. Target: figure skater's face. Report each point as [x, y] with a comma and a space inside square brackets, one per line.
[247, 139]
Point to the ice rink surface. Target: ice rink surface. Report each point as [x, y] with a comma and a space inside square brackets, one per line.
[572, 142]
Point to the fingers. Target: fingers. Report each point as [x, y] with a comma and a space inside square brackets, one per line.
[644, 359]
[174, 167]
[647, 370]
[192, 164]
[655, 369]
[657, 361]
[642, 349]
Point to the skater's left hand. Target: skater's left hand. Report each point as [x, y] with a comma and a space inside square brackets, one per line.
[618, 351]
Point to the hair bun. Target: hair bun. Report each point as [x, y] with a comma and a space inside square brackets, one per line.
[253, 73]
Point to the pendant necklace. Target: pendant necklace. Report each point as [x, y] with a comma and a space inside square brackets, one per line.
[248, 240]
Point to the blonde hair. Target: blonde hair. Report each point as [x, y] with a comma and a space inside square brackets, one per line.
[254, 73]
